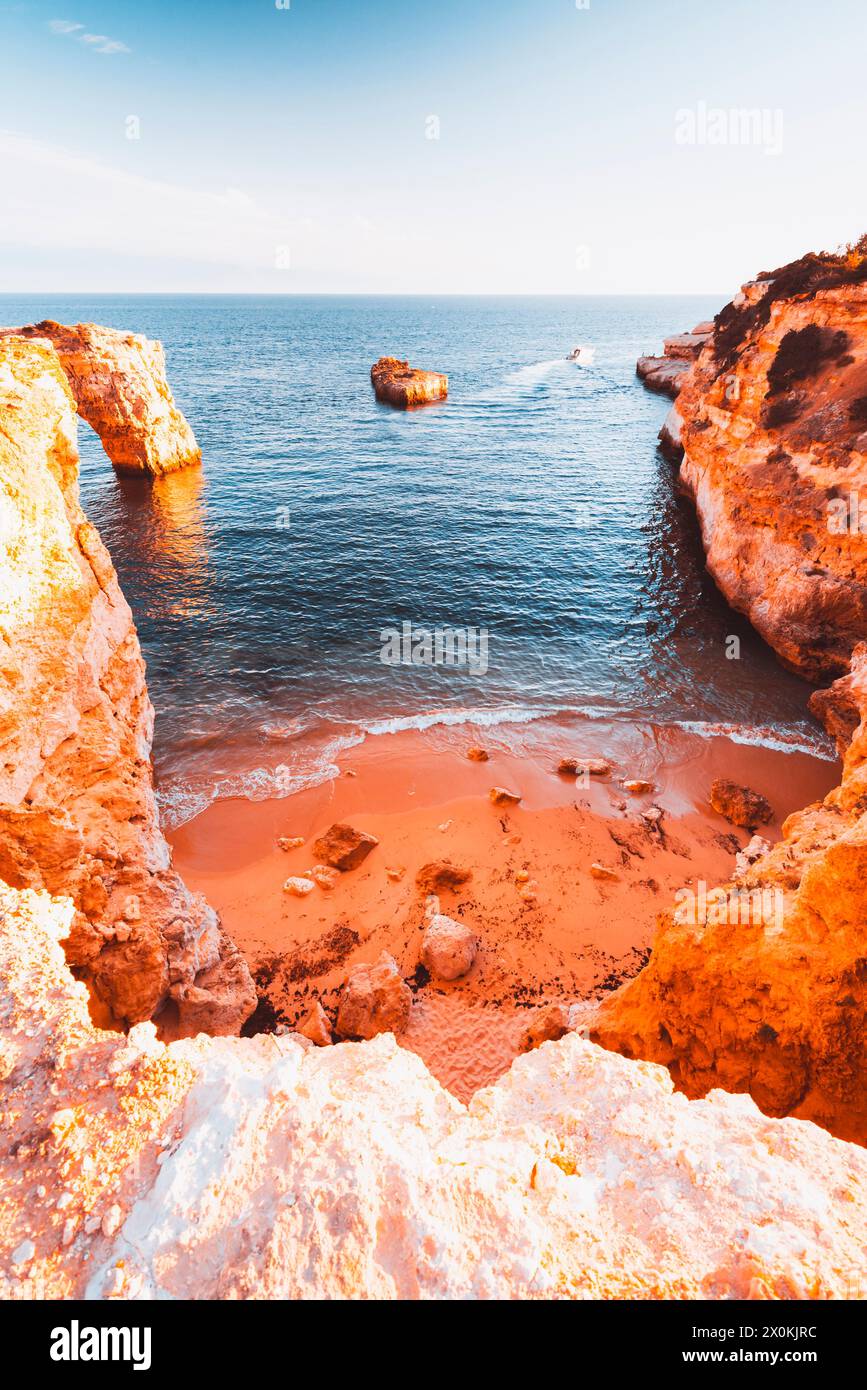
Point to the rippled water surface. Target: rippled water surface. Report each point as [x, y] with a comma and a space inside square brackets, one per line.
[533, 504]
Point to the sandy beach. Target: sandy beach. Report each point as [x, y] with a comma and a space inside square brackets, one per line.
[548, 929]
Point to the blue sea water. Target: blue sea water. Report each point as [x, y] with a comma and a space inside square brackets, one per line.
[534, 504]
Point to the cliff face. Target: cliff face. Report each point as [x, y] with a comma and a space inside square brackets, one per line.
[77, 809]
[767, 993]
[772, 422]
[118, 381]
[266, 1167]
[765, 989]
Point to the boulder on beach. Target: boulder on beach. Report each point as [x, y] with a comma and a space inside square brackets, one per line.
[637, 786]
[574, 767]
[373, 1000]
[298, 886]
[441, 875]
[448, 948]
[477, 755]
[397, 383]
[740, 805]
[344, 847]
[500, 796]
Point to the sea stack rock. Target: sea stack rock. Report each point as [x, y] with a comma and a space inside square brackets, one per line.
[118, 382]
[397, 383]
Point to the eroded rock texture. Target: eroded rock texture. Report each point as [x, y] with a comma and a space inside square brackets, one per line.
[397, 383]
[772, 423]
[118, 381]
[268, 1167]
[773, 998]
[77, 809]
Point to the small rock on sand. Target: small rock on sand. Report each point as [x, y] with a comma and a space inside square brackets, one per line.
[395, 872]
[374, 1000]
[344, 847]
[326, 877]
[441, 875]
[572, 767]
[740, 805]
[637, 786]
[290, 842]
[548, 1024]
[477, 755]
[501, 797]
[298, 887]
[600, 871]
[448, 948]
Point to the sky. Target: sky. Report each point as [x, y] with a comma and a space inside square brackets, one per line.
[407, 146]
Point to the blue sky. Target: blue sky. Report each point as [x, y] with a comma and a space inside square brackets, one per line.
[463, 146]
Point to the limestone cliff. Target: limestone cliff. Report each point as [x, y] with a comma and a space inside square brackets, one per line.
[118, 381]
[268, 1168]
[771, 420]
[77, 809]
[765, 989]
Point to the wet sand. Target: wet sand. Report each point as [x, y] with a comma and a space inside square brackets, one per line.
[562, 934]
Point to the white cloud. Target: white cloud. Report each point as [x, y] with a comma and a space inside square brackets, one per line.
[100, 43]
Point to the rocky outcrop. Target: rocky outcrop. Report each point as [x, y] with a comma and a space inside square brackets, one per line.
[77, 809]
[668, 372]
[270, 1168]
[771, 422]
[397, 383]
[118, 381]
[762, 986]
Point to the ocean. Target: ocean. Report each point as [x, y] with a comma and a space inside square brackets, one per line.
[533, 508]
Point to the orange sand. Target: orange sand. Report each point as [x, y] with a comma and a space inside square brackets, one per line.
[578, 938]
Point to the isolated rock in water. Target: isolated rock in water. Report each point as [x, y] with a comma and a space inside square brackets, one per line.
[547, 1025]
[477, 755]
[448, 948]
[119, 384]
[441, 875]
[78, 815]
[573, 767]
[317, 1026]
[374, 1000]
[740, 805]
[768, 993]
[298, 887]
[344, 847]
[501, 797]
[753, 1207]
[636, 786]
[397, 383]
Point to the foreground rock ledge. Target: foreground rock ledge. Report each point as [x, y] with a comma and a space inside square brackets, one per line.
[119, 384]
[267, 1167]
[78, 814]
[397, 383]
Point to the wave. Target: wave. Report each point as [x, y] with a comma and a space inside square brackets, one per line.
[182, 798]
